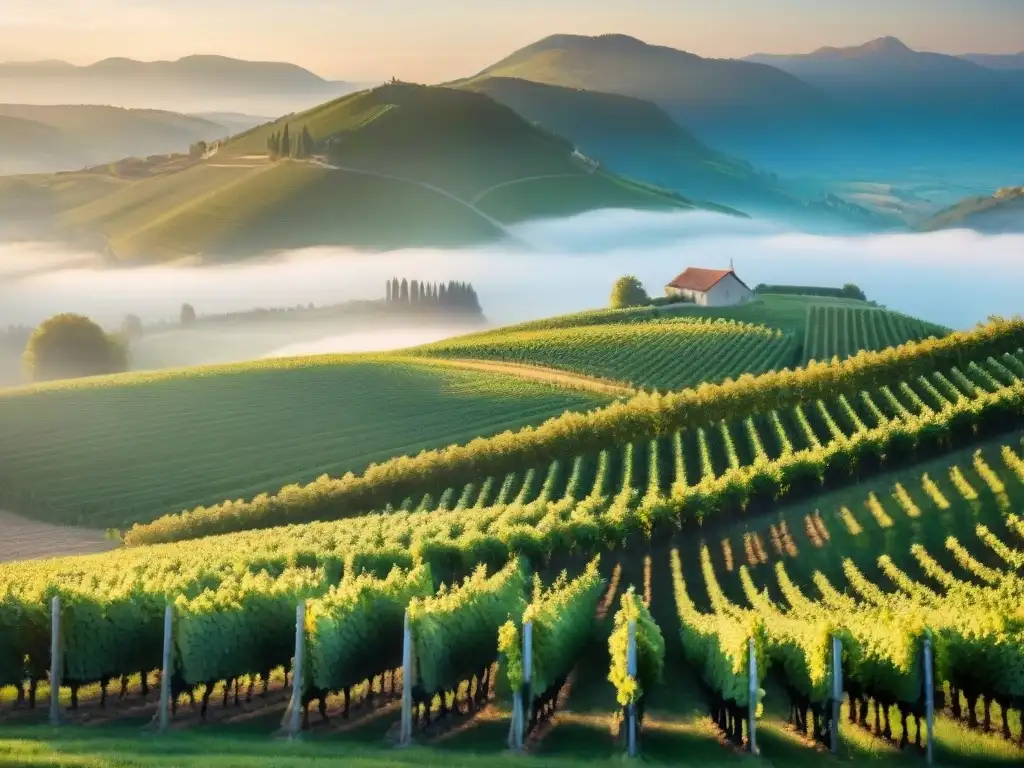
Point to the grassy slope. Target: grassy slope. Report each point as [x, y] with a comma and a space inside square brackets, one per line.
[636, 138]
[200, 435]
[463, 143]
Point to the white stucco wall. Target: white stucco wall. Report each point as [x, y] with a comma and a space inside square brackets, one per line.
[724, 293]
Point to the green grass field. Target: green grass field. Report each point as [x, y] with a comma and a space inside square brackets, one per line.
[129, 448]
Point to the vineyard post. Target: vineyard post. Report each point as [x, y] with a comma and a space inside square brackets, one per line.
[294, 724]
[631, 671]
[752, 703]
[56, 660]
[165, 669]
[837, 691]
[524, 695]
[929, 696]
[406, 734]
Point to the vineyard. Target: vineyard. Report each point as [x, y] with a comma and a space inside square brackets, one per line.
[916, 544]
[114, 451]
[663, 355]
[669, 574]
[842, 331]
[690, 454]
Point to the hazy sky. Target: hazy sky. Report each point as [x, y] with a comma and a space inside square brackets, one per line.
[434, 40]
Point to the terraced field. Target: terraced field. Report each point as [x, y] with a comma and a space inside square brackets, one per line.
[113, 451]
[663, 354]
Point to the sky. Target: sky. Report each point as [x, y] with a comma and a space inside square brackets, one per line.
[434, 40]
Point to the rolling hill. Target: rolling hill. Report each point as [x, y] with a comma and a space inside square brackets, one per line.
[999, 213]
[190, 84]
[453, 166]
[42, 139]
[751, 110]
[637, 138]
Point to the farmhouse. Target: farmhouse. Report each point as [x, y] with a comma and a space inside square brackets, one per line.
[709, 287]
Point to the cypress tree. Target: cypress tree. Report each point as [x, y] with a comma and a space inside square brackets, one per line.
[286, 143]
[414, 292]
[403, 296]
[442, 298]
[394, 290]
[307, 142]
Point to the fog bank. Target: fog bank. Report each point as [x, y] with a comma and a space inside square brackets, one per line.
[956, 278]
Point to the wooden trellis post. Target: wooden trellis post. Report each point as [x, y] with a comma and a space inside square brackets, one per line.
[631, 749]
[752, 703]
[292, 725]
[522, 697]
[163, 713]
[405, 737]
[837, 691]
[929, 698]
[56, 660]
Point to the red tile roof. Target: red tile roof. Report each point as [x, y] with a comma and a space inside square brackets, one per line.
[698, 279]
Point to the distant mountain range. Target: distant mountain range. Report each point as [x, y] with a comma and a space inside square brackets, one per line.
[915, 108]
[886, 71]
[37, 139]
[190, 84]
[742, 108]
[997, 61]
[834, 111]
[999, 213]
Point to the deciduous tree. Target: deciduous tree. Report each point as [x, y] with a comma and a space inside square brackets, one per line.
[628, 292]
[70, 346]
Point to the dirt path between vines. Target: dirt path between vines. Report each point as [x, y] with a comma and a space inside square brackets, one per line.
[534, 373]
[23, 539]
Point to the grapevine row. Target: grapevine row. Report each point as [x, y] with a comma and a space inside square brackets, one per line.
[641, 418]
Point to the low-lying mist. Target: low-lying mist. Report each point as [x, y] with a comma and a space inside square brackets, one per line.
[956, 278]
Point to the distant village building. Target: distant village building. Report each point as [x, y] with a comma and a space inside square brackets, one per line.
[709, 287]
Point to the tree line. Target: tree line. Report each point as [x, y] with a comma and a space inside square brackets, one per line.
[283, 144]
[406, 293]
[848, 291]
